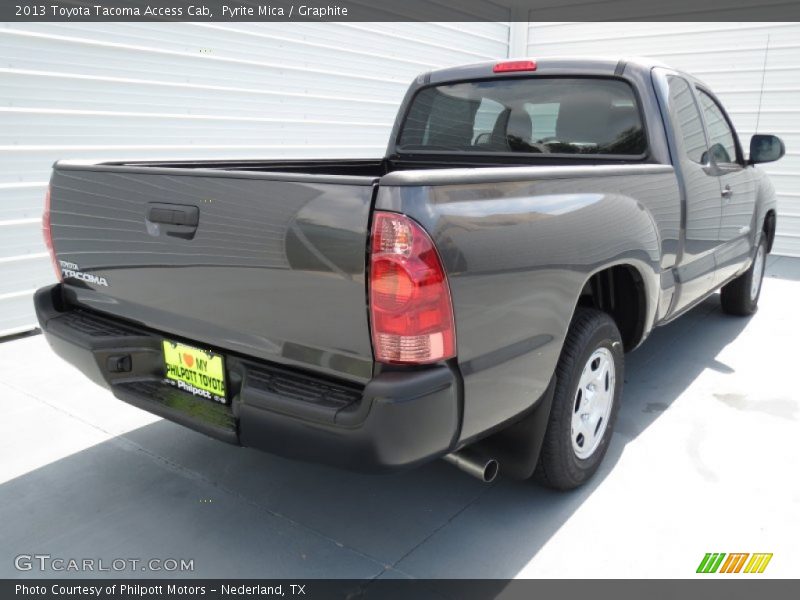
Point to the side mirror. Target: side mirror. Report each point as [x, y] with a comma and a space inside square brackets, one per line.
[765, 148]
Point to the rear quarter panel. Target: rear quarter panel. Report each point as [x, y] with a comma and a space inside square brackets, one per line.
[518, 245]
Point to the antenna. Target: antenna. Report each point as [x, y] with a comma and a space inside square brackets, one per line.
[763, 76]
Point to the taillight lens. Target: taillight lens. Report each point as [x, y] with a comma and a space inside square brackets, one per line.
[48, 235]
[410, 308]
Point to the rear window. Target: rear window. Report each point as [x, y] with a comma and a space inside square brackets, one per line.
[533, 115]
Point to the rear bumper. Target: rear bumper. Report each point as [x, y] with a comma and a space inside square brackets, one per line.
[399, 419]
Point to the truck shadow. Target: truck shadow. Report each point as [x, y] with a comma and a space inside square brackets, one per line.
[164, 491]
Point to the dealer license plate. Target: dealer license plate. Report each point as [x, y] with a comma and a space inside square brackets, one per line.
[196, 371]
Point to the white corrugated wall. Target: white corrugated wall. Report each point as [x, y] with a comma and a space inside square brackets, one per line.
[730, 58]
[221, 90]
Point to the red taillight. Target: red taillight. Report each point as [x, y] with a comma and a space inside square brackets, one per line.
[48, 235]
[410, 308]
[515, 65]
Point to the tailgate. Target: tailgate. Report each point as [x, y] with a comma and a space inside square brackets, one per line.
[268, 265]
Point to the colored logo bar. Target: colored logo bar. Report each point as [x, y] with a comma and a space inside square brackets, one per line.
[716, 562]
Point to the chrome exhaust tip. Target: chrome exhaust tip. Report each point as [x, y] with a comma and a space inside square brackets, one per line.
[475, 464]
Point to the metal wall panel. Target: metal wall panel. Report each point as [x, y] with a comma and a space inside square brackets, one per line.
[732, 59]
[192, 90]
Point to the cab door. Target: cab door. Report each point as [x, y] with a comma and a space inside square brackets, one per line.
[700, 191]
[737, 189]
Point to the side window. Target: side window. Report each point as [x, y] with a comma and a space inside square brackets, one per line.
[721, 140]
[687, 117]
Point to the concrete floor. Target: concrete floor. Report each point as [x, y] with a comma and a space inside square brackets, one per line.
[704, 459]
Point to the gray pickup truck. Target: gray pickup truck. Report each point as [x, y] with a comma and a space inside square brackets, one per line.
[470, 296]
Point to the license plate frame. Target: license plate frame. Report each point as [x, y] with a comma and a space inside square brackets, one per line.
[196, 371]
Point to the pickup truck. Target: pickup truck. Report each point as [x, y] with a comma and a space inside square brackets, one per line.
[469, 296]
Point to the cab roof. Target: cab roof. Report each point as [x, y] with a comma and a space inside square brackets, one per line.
[553, 65]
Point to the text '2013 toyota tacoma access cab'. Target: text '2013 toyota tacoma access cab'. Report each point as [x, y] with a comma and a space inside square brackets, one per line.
[469, 296]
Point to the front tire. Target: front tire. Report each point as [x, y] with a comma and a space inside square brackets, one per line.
[740, 296]
[590, 374]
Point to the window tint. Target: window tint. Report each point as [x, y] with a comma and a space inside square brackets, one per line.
[687, 115]
[526, 115]
[720, 136]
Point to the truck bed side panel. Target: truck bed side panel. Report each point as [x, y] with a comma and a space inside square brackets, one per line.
[518, 250]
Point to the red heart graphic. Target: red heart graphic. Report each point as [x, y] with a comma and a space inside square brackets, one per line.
[188, 359]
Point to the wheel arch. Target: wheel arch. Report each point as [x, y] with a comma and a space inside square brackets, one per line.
[626, 292]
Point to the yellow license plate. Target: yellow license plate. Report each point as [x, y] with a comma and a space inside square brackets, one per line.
[198, 372]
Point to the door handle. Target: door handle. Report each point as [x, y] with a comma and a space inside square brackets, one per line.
[176, 220]
[727, 192]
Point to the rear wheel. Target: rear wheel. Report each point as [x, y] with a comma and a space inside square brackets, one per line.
[585, 403]
[740, 296]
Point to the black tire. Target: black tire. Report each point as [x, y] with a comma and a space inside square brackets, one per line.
[559, 466]
[737, 296]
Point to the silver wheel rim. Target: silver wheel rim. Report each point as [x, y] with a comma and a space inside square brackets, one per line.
[758, 273]
[593, 401]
